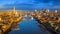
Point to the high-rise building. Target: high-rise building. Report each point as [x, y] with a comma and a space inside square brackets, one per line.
[14, 9]
[56, 11]
[35, 10]
[47, 10]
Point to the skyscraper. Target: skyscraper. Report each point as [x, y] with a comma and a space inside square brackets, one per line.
[14, 9]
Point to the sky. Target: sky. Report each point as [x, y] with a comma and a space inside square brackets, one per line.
[30, 4]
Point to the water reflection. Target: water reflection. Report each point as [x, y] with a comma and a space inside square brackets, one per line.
[29, 27]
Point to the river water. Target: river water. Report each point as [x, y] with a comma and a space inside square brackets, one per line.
[29, 27]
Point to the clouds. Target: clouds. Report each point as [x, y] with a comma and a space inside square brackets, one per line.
[31, 4]
[43, 1]
[50, 4]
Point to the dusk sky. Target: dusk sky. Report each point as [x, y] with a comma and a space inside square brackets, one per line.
[30, 4]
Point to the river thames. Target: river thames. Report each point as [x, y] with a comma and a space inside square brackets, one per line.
[29, 27]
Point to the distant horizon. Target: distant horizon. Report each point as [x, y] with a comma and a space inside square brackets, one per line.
[30, 4]
[29, 10]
